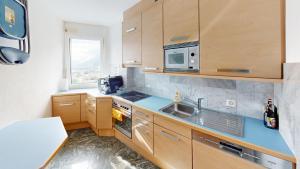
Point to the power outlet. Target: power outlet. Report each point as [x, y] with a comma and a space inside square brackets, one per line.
[230, 103]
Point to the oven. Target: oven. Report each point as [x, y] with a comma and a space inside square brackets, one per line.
[122, 115]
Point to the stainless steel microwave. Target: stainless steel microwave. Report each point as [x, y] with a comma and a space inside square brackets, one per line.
[182, 58]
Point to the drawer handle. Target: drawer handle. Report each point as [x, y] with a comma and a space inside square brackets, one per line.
[151, 68]
[140, 122]
[131, 61]
[252, 156]
[66, 104]
[179, 38]
[131, 30]
[169, 136]
[244, 71]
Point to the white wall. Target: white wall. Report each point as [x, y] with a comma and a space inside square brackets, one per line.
[25, 90]
[292, 31]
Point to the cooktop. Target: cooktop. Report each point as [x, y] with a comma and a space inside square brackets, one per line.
[133, 96]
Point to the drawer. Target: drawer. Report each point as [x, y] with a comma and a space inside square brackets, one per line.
[138, 121]
[144, 114]
[68, 111]
[73, 98]
[142, 134]
[91, 103]
[172, 149]
[92, 117]
[173, 126]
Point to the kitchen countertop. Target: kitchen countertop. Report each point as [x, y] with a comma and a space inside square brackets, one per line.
[256, 135]
[31, 143]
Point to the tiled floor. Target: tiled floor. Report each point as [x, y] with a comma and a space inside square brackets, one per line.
[85, 150]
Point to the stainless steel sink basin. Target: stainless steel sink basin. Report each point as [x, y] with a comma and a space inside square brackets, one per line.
[182, 111]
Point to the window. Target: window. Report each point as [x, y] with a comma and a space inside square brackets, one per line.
[85, 58]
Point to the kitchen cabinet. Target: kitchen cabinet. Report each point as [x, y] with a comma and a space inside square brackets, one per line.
[205, 157]
[142, 134]
[132, 40]
[67, 108]
[152, 36]
[91, 111]
[173, 150]
[181, 21]
[242, 38]
[83, 108]
[104, 113]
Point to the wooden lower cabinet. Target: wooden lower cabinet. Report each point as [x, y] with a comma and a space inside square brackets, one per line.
[91, 111]
[207, 157]
[171, 149]
[104, 114]
[67, 108]
[142, 134]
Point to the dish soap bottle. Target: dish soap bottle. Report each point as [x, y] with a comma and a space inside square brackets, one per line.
[271, 118]
[177, 99]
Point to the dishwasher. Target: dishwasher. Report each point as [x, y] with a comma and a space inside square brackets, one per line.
[211, 152]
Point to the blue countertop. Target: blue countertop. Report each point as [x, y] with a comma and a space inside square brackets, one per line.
[254, 130]
[30, 144]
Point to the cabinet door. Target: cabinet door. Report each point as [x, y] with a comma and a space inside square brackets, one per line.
[205, 157]
[152, 36]
[104, 113]
[67, 108]
[132, 40]
[181, 21]
[91, 111]
[172, 150]
[241, 38]
[142, 134]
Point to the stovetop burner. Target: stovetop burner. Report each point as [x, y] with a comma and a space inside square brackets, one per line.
[133, 96]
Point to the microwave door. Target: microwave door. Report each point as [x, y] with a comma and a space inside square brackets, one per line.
[176, 58]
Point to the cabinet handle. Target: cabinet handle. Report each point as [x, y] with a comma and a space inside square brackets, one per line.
[151, 68]
[252, 156]
[244, 71]
[169, 136]
[66, 104]
[131, 30]
[179, 38]
[131, 61]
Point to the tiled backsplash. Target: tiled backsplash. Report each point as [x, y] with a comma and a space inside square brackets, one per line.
[250, 96]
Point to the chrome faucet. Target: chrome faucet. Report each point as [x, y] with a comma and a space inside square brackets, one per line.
[198, 104]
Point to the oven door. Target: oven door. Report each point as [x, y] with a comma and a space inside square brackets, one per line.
[122, 121]
[177, 58]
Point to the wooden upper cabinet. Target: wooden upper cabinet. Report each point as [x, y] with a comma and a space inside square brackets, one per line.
[152, 35]
[132, 40]
[242, 38]
[206, 157]
[181, 23]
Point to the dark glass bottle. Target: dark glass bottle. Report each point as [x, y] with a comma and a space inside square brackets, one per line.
[271, 118]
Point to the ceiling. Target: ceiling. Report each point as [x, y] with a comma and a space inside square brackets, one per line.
[102, 12]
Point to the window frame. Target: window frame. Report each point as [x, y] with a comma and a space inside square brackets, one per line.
[67, 61]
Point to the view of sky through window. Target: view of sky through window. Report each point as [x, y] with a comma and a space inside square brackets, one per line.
[85, 61]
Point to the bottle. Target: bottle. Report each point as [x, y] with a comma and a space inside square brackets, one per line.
[271, 118]
[177, 99]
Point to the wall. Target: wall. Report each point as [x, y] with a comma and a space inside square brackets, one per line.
[287, 96]
[250, 96]
[25, 90]
[292, 31]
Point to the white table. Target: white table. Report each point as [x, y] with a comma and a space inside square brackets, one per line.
[31, 144]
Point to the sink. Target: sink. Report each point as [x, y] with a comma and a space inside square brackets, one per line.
[183, 110]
